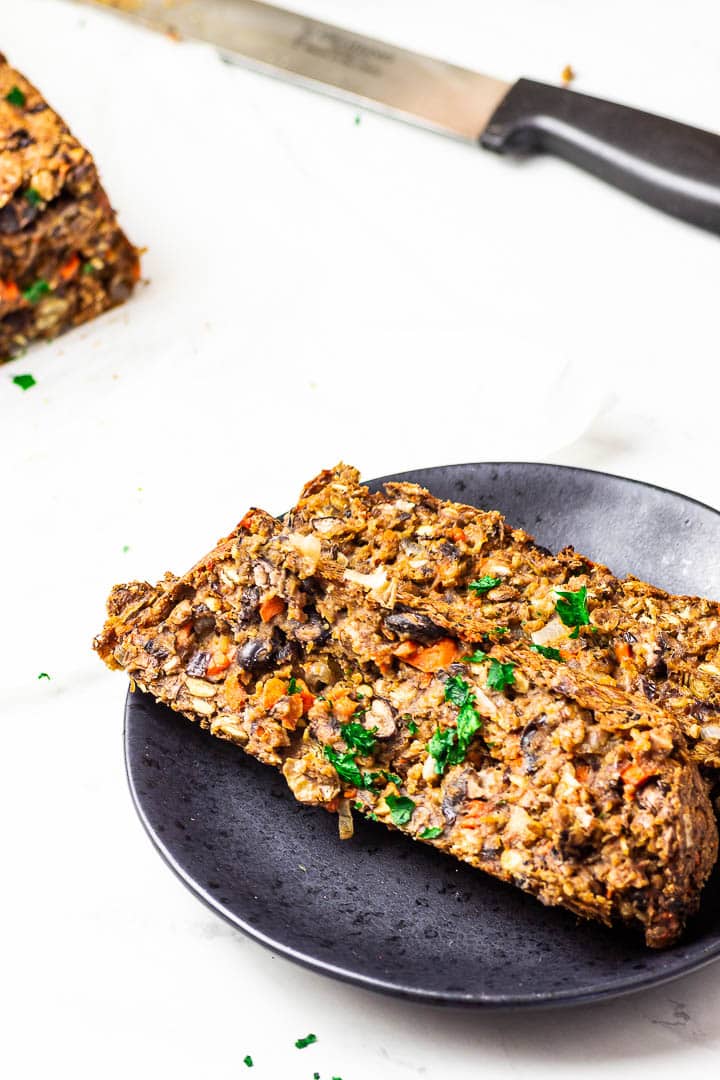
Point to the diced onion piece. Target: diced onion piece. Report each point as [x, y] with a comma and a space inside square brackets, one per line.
[345, 821]
[309, 547]
[369, 581]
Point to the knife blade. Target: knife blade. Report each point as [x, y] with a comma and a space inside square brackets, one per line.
[663, 162]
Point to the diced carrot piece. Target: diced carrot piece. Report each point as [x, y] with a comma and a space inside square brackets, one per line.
[435, 657]
[273, 690]
[582, 772]
[458, 534]
[294, 712]
[8, 291]
[331, 805]
[635, 775]
[308, 700]
[623, 651]
[235, 694]
[70, 268]
[473, 816]
[406, 649]
[270, 607]
[220, 662]
[343, 706]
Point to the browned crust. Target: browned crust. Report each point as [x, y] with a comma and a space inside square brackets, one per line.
[56, 224]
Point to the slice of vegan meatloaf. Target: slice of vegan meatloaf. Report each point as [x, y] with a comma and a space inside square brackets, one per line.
[543, 779]
[472, 572]
[63, 257]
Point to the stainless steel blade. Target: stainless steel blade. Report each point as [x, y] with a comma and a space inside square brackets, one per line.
[418, 89]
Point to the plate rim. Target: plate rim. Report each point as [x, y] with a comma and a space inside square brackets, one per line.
[494, 1002]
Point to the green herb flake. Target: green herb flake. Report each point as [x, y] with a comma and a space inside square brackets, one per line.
[401, 808]
[293, 687]
[500, 675]
[36, 291]
[358, 805]
[572, 609]
[412, 727]
[15, 97]
[431, 833]
[478, 657]
[450, 747]
[126, 548]
[457, 691]
[501, 630]
[442, 748]
[484, 584]
[87, 268]
[247, 1060]
[391, 777]
[358, 737]
[547, 651]
[24, 381]
[316, 1076]
[307, 1041]
[345, 766]
[357, 121]
[33, 196]
[43, 675]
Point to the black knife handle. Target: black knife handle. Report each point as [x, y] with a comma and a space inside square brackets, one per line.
[672, 166]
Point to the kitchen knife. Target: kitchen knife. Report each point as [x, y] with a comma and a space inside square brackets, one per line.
[670, 165]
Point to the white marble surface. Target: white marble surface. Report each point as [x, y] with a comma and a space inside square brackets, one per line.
[318, 289]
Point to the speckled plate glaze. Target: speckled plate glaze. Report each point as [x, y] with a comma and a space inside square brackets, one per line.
[379, 910]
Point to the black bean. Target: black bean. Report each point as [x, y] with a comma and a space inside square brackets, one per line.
[411, 624]
[253, 654]
[198, 663]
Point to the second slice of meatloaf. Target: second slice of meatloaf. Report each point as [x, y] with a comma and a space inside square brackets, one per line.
[418, 553]
[63, 257]
[550, 782]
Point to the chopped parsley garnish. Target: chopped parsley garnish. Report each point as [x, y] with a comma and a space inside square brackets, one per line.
[345, 766]
[307, 1041]
[484, 584]
[316, 1076]
[126, 548]
[43, 675]
[34, 292]
[33, 196]
[442, 749]
[15, 96]
[358, 737]
[358, 805]
[500, 675]
[547, 651]
[478, 657]
[293, 687]
[572, 609]
[450, 747]
[412, 727]
[347, 769]
[391, 777]
[247, 1060]
[501, 630]
[87, 268]
[457, 691]
[24, 381]
[430, 833]
[401, 808]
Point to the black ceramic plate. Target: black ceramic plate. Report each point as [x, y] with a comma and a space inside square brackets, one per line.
[379, 910]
